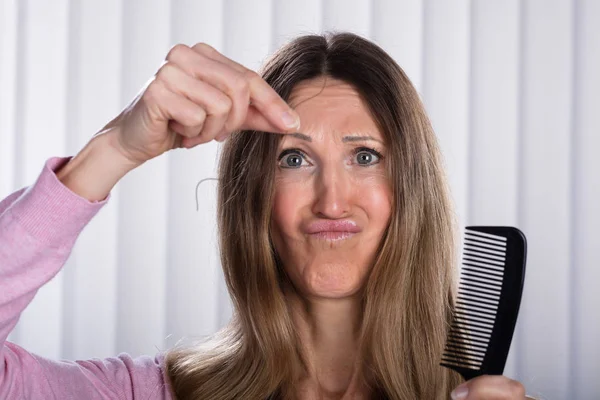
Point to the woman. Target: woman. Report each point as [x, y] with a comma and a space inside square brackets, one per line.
[336, 233]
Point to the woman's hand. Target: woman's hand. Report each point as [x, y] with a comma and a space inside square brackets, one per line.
[196, 96]
[489, 387]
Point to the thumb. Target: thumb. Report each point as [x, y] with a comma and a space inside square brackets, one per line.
[460, 392]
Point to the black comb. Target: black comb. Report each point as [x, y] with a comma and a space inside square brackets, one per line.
[487, 305]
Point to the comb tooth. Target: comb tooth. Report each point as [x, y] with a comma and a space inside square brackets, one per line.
[480, 270]
[477, 303]
[467, 349]
[472, 232]
[488, 244]
[463, 358]
[478, 309]
[500, 240]
[485, 266]
[472, 330]
[483, 252]
[473, 246]
[460, 332]
[484, 260]
[476, 274]
[478, 313]
[492, 283]
[474, 315]
[476, 356]
[452, 341]
[465, 334]
[490, 289]
[489, 294]
[475, 324]
[473, 340]
[483, 270]
[483, 332]
[460, 362]
[482, 273]
[480, 293]
[474, 318]
[449, 364]
[474, 236]
[484, 246]
[474, 299]
[478, 253]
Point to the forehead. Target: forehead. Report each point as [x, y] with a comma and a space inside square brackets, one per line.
[331, 105]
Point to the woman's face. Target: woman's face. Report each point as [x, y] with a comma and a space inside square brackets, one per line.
[332, 195]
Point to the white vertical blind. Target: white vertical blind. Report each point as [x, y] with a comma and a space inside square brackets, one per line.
[512, 90]
[194, 300]
[8, 70]
[94, 98]
[545, 192]
[397, 26]
[494, 121]
[585, 213]
[41, 99]
[445, 91]
[142, 228]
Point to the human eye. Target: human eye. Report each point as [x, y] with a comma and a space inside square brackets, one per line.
[292, 158]
[366, 156]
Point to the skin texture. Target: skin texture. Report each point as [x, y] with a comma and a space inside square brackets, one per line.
[330, 184]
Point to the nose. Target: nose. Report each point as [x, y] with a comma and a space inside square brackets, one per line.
[332, 192]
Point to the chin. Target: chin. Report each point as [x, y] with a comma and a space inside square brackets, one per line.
[332, 281]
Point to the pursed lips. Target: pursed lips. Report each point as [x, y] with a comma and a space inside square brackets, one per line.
[333, 230]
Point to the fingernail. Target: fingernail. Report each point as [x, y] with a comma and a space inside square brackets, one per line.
[460, 392]
[289, 120]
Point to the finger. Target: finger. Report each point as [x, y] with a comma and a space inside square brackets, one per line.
[211, 52]
[492, 387]
[263, 97]
[255, 120]
[219, 75]
[216, 103]
[164, 105]
[269, 104]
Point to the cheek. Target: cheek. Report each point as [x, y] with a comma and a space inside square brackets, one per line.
[289, 198]
[380, 206]
[373, 194]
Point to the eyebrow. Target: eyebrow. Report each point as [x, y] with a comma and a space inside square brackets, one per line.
[345, 139]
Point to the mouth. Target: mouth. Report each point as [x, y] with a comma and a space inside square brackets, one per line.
[332, 236]
[333, 230]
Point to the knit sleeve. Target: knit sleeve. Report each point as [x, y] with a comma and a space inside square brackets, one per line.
[38, 229]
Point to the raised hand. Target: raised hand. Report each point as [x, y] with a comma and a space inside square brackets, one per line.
[196, 96]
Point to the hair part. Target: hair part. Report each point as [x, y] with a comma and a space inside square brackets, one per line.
[410, 290]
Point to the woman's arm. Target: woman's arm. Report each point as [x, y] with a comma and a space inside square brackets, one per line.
[38, 228]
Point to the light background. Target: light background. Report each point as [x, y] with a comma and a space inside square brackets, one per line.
[513, 91]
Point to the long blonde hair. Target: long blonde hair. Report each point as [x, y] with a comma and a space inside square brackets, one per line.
[410, 290]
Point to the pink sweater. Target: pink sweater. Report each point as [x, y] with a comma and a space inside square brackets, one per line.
[38, 228]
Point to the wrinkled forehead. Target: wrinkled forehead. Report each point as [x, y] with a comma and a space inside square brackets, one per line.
[331, 107]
